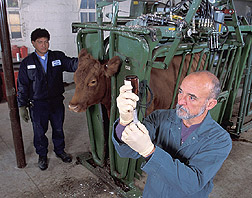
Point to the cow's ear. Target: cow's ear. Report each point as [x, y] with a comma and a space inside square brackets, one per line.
[83, 53]
[112, 66]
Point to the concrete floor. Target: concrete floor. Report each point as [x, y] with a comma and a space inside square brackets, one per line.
[74, 180]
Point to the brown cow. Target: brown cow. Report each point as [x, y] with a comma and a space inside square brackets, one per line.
[93, 84]
[92, 80]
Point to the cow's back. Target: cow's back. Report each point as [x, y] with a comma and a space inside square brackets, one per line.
[163, 82]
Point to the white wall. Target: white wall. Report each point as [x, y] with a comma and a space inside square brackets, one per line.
[56, 16]
[243, 7]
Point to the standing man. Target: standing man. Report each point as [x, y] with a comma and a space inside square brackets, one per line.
[184, 147]
[40, 89]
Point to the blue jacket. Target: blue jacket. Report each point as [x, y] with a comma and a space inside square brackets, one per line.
[35, 84]
[180, 171]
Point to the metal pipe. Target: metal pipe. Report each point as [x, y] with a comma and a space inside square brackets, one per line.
[212, 61]
[231, 98]
[112, 37]
[223, 71]
[200, 59]
[10, 87]
[190, 64]
[97, 160]
[94, 151]
[219, 63]
[111, 28]
[178, 79]
[206, 61]
[244, 96]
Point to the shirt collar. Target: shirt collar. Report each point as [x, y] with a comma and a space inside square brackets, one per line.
[42, 57]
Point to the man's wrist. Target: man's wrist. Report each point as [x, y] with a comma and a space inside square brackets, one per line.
[149, 156]
[150, 152]
[119, 130]
[123, 123]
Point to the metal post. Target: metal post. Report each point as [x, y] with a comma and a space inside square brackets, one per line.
[10, 87]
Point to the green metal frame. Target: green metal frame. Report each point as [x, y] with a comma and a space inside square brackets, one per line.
[228, 64]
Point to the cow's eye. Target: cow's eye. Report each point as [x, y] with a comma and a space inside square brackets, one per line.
[92, 83]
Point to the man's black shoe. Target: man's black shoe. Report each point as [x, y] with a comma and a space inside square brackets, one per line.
[65, 157]
[42, 162]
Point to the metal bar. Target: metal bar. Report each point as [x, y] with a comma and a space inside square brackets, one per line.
[246, 127]
[96, 159]
[239, 71]
[200, 59]
[180, 50]
[10, 87]
[236, 25]
[178, 79]
[225, 64]
[125, 166]
[232, 95]
[80, 36]
[219, 63]
[245, 53]
[229, 69]
[192, 10]
[206, 62]
[210, 67]
[230, 80]
[113, 102]
[243, 103]
[111, 28]
[248, 111]
[245, 95]
[190, 64]
[99, 15]
[172, 50]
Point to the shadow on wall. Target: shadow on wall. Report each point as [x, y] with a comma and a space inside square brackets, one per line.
[247, 12]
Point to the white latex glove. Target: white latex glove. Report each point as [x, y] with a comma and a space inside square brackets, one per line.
[136, 136]
[126, 103]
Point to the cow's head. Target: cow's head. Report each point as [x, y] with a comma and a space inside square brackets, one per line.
[92, 80]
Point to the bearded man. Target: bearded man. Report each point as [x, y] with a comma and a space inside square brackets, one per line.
[184, 147]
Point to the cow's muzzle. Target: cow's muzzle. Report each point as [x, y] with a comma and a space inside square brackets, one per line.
[75, 108]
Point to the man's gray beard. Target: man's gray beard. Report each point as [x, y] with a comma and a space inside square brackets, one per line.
[188, 116]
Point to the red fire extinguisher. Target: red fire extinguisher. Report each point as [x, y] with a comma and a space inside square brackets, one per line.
[14, 51]
[23, 51]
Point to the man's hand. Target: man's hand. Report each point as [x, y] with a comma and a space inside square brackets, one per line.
[126, 103]
[24, 113]
[137, 137]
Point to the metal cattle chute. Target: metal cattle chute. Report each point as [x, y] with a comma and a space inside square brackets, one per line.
[156, 31]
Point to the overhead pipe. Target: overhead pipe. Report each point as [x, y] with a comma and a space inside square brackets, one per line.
[10, 87]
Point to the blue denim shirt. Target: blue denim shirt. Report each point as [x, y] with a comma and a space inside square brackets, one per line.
[43, 60]
[178, 170]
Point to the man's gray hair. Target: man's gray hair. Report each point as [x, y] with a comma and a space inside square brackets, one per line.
[216, 88]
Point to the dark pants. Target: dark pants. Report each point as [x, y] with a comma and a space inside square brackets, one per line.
[41, 113]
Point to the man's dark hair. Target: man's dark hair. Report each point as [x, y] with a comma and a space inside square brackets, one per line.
[39, 33]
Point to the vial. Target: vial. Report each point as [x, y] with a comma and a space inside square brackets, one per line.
[134, 83]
